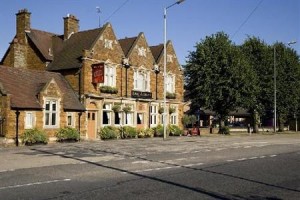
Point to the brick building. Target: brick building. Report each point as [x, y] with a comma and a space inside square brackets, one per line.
[119, 81]
[36, 99]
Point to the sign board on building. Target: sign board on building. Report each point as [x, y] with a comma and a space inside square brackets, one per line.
[98, 73]
[142, 95]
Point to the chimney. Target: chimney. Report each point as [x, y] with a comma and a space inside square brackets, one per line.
[71, 25]
[23, 24]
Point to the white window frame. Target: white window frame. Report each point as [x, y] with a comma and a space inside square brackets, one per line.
[141, 80]
[174, 116]
[29, 120]
[170, 83]
[128, 119]
[153, 115]
[109, 76]
[50, 113]
[107, 110]
[72, 116]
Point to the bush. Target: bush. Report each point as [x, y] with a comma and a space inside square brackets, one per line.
[144, 133]
[175, 130]
[67, 134]
[128, 132]
[159, 131]
[108, 89]
[34, 136]
[224, 130]
[109, 132]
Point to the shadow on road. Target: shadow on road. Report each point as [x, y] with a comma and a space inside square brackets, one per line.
[82, 151]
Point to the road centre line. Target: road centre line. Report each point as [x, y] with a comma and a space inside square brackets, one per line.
[31, 184]
[252, 158]
[164, 168]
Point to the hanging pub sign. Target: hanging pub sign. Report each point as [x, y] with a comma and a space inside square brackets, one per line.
[98, 73]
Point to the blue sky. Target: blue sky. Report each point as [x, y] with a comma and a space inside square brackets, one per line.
[188, 23]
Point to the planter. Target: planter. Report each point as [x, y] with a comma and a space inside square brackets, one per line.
[108, 89]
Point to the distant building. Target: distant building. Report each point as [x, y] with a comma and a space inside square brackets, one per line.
[120, 82]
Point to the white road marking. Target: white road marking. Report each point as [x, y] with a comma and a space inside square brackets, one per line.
[253, 158]
[31, 184]
[241, 159]
[164, 168]
[262, 156]
[273, 156]
[246, 147]
[229, 160]
[140, 162]
[8, 170]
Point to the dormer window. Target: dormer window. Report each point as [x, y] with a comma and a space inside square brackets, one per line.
[171, 83]
[142, 51]
[142, 80]
[108, 44]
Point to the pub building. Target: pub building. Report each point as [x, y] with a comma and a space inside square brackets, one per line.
[119, 81]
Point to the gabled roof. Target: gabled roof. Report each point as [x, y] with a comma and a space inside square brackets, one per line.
[43, 41]
[69, 57]
[24, 86]
[127, 44]
[157, 51]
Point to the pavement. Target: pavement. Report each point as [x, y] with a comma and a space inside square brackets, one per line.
[13, 158]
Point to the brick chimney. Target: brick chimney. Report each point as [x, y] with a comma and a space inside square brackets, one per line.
[23, 25]
[71, 25]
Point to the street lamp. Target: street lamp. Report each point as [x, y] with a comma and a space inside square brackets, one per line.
[165, 63]
[275, 98]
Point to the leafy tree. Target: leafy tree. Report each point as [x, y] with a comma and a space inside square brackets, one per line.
[218, 73]
[288, 82]
[260, 58]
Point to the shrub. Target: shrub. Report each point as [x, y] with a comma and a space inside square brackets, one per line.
[34, 136]
[159, 131]
[128, 132]
[108, 89]
[109, 132]
[67, 134]
[175, 130]
[144, 133]
[170, 95]
[224, 130]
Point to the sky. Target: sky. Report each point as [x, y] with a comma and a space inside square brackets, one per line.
[187, 23]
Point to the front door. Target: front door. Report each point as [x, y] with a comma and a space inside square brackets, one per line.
[92, 125]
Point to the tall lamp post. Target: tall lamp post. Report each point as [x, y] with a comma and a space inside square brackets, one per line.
[275, 90]
[165, 63]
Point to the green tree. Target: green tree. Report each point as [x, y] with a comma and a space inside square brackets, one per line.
[288, 82]
[260, 58]
[218, 73]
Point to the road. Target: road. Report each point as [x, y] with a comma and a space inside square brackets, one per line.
[264, 167]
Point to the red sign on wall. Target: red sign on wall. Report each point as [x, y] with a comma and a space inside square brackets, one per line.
[98, 73]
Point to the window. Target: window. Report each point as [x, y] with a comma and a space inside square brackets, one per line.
[109, 76]
[70, 119]
[51, 114]
[118, 118]
[29, 120]
[174, 116]
[128, 118]
[170, 83]
[153, 115]
[141, 80]
[106, 117]
[140, 117]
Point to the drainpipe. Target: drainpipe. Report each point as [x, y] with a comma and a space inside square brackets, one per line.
[17, 127]
[79, 116]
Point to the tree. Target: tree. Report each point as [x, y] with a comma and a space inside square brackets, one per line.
[260, 58]
[217, 76]
[288, 82]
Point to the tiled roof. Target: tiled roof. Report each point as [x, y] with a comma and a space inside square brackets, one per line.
[43, 41]
[126, 44]
[157, 51]
[24, 86]
[69, 57]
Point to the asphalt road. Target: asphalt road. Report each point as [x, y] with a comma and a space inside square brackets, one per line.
[263, 167]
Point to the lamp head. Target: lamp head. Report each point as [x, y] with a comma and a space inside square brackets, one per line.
[292, 42]
[180, 1]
